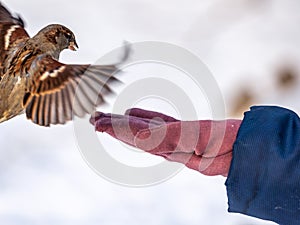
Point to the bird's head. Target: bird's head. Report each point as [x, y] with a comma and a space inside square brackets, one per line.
[57, 37]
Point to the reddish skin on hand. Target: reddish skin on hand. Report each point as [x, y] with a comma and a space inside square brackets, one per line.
[204, 145]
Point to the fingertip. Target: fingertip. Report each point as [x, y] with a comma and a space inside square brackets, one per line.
[100, 126]
[92, 120]
[95, 117]
[131, 111]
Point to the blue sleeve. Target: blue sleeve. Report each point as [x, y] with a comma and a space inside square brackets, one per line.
[264, 178]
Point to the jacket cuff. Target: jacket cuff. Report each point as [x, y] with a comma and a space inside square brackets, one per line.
[264, 177]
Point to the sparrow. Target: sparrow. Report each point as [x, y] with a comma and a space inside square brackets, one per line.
[33, 81]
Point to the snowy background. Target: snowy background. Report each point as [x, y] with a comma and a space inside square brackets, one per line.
[251, 48]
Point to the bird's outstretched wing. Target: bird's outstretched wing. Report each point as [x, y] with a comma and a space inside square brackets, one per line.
[12, 32]
[57, 91]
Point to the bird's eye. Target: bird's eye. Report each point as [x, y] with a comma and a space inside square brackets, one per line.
[69, 36]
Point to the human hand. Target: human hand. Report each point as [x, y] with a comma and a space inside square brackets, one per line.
[205, 145]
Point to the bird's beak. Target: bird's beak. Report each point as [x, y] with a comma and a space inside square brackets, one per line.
[73, 46]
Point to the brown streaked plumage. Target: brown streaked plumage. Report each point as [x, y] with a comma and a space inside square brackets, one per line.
[32, 80]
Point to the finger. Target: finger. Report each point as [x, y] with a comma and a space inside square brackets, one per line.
[146, 114]
[106, 125]
[96, 116]
[100, 115]
[123, 128]
[122, 124]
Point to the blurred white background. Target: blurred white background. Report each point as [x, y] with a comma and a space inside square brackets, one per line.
[252, 49]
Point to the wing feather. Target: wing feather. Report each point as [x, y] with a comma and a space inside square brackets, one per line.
[61, 91]
[40, 111]
[46, 110]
